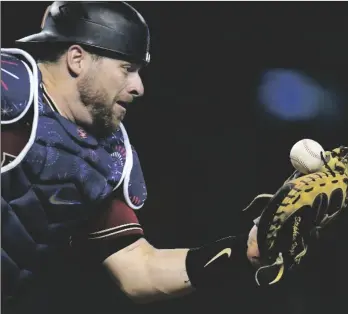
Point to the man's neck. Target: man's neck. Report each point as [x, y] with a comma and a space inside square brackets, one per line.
[59, 90]
[62, 90]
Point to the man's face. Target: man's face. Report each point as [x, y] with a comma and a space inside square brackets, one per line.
[105, 87]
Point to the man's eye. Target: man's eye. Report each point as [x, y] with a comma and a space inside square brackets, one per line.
[130, 68]
[126, 68]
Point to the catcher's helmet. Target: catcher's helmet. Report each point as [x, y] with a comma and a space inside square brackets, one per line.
[115, 27]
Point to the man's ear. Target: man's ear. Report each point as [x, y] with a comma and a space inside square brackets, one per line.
[77, 59]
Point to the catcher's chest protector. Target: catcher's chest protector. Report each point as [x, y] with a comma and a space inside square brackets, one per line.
[58, 179]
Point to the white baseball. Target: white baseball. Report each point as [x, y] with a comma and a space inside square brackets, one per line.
[305, 156]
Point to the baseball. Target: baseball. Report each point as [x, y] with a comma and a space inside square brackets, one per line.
[305, 156]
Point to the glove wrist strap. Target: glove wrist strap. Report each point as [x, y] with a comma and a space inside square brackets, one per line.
[220, 263]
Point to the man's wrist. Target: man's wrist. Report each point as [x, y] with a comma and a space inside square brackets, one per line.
[219, 263]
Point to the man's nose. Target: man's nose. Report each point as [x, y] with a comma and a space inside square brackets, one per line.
[136, 88]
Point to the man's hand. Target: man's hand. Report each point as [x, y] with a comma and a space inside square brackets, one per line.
[253, 249]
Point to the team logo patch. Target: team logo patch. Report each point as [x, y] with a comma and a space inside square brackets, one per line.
[82, 133]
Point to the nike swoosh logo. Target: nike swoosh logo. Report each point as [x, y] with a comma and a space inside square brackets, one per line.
[58, 201]
[227, 251]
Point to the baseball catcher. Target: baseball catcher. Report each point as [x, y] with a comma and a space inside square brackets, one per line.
[71, 178]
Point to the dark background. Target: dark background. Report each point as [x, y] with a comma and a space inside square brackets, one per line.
[208, 144]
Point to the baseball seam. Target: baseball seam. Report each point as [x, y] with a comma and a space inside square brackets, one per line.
[300, 162]
[309, 151]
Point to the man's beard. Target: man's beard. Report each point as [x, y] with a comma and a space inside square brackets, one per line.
[103, 119]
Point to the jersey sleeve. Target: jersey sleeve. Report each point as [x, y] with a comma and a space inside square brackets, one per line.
[117, 221]
[113, 229]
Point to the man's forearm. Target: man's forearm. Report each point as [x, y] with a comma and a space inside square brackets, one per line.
[167, 271]
[146, 274]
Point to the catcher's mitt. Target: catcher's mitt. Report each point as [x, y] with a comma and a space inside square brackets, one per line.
[299, 209]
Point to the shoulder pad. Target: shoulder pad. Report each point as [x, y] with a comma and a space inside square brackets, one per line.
[16, 89]
[19, 93]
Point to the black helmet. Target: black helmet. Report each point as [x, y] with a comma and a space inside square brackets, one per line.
[115, 27]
